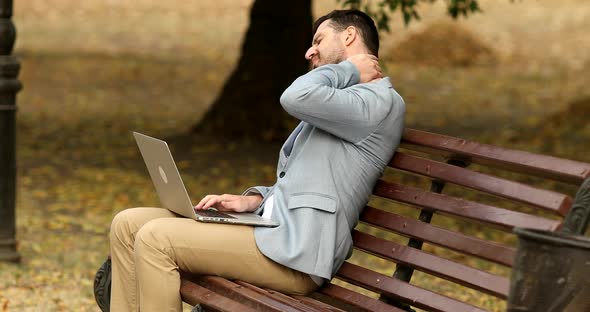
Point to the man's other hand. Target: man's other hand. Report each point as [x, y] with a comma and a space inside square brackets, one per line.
[368, 66]
[229, 202]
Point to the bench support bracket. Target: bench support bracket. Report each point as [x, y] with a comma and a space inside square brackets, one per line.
[403, 272]
[576, 221]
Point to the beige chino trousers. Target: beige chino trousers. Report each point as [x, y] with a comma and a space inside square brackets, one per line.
[149, 246]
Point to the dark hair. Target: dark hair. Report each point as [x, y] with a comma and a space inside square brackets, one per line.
[341, 19]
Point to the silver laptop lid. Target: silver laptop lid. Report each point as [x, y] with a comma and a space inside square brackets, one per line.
[165, 175]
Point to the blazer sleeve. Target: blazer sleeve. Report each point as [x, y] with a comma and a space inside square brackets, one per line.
[331, 98]
[263, 191]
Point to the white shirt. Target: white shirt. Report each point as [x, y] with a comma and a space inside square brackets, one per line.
[268, 206]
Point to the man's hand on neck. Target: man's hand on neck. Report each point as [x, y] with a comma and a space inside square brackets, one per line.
[368, 66]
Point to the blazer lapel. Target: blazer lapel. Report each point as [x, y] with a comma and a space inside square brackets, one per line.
[288, 147]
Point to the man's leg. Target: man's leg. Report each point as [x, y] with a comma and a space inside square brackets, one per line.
[122, 236]
[165, 246]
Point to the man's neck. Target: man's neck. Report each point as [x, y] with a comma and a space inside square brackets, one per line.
[355, 50]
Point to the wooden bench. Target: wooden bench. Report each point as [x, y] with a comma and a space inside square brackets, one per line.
[461, 242]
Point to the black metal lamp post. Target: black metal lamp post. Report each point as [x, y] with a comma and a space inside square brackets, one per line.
[9, 86]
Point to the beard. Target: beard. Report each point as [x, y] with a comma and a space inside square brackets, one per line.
[325, 61]
[334, 55]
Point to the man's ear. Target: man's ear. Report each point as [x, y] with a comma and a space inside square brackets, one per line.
[350, 35]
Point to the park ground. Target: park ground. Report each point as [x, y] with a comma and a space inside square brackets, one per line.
[95, 70]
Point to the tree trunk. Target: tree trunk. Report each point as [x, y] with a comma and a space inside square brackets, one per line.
[272, 57]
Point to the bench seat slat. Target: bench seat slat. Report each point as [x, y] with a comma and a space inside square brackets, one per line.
[545, 199]
[423, 261]
[318, 304]
[505, 219]
[559, 169]
[240, 293]
[212, 301]
[357, 300]
[413, 295]
[284, 299]
[424, 231]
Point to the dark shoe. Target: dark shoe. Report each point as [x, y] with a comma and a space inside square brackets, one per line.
[102, 286]
[197, 308]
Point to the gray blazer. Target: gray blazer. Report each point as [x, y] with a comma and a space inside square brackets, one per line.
[328, 166]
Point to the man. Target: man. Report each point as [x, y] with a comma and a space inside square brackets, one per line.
[352, 121]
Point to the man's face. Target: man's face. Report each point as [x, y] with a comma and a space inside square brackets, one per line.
[326, 47]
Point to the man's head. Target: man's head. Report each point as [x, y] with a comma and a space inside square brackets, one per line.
[341, 34]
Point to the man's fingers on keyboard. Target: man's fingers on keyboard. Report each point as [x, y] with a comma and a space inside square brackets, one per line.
[202, 202]
[212, 201]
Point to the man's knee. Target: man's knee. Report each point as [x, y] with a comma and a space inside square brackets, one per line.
[152, 235]
[121, 226]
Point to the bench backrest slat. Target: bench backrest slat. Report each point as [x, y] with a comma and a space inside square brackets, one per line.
[456, 272]
[558, 169]
[503, 218]
[442, 237]
[549, 200]
[419, 297]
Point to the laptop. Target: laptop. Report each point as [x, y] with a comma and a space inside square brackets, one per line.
[172, 192]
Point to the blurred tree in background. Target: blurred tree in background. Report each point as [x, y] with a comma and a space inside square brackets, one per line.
[273, 56]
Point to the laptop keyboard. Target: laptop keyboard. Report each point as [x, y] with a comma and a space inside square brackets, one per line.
[213, 214]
